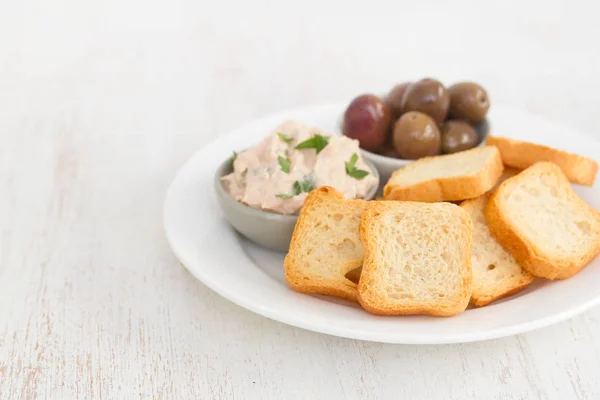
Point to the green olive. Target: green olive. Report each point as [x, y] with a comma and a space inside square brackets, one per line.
[416, 135]
[458, 136]
[429, 97]
[468, 101]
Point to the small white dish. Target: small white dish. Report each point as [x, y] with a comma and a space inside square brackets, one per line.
[252, 277]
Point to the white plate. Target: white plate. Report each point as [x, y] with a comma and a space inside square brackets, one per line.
[253, 277]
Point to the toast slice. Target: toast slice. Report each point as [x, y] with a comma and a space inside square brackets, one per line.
[506, 174]
[417, 258]
[451, 177]
[496, 273]
[549, 230]
[325, 245]
[522, 155]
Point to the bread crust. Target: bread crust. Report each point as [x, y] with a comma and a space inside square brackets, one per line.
[342, 288]
[521, 155]
[449, 188]
[481, 301]
[368, 296]
[525, 251]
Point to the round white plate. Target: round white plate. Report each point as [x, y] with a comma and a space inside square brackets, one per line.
[252, 277]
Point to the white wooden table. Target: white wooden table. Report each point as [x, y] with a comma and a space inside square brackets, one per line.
[102, 101]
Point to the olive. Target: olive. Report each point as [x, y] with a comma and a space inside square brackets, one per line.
[394, 98]
[468, 101]
[427, 96]
[458, 136]
[389, 151]
[416, 135]
[368, 120]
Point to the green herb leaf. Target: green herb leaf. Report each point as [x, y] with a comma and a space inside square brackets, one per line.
[243, 176]
[297, 188]
[351, 168]
[284, 195]
[316, 142]
[284, 137]
[303, 186]
[284, 163]
[350, 165]
[358, 174]
[234, 157]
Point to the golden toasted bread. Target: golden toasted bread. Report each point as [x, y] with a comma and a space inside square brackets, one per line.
[417, 258]
[325, 245]
[507, 173]
[521, 155]
[496, 273]
[549, 230]
[451, 177]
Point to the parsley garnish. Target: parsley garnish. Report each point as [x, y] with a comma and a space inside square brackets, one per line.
[284, 195]
[284, 163]
[233, 158]
[306, 185]
[243, 177]
[351, 168]
[284, 137]
[316, 142]
[303, 186]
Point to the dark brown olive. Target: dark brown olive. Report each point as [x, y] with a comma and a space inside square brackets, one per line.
[394, 98]
[389, 151]
[416, 135]
[458, 136]
[427, 96]
[468, 101]
[368, 119]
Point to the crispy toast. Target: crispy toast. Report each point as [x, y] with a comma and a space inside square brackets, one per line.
[496, 273]
[538, 217]
[417, 258]
[521, 155]
[451, 177]
[325, 245]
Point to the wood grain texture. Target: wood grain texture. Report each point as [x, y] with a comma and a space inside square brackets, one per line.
[102, 102]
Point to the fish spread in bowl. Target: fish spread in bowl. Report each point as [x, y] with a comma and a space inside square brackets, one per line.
[277, 174]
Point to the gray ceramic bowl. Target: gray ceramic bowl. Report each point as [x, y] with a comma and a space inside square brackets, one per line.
[268, 229]
[387, 165]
